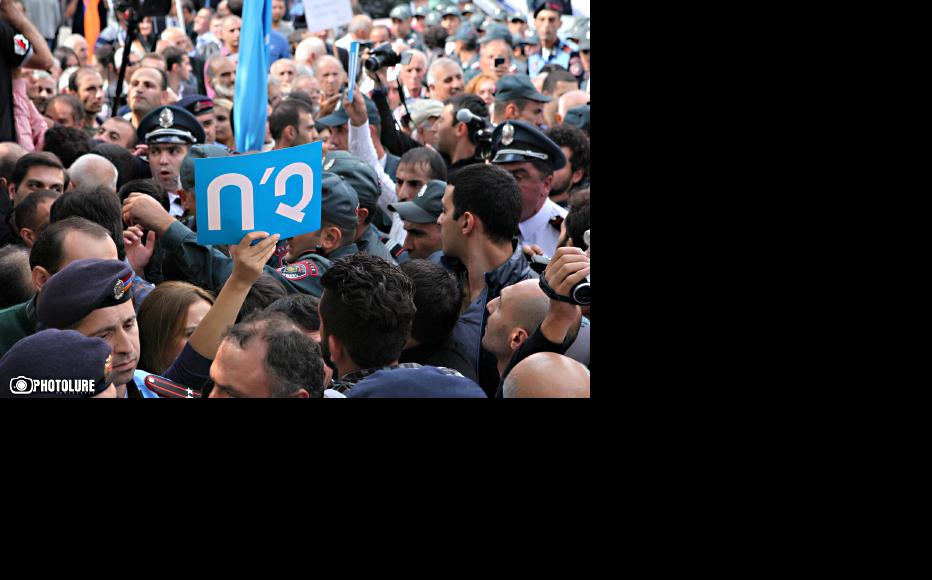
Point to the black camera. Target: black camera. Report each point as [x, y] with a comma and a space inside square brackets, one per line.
[580, 293]
[385, 57]
[480, 132]
[145, 7]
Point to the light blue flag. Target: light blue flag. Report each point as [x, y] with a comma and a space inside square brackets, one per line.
[251, 99]
[277, 192]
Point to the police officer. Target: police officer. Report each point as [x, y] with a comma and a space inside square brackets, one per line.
[169, 132]
[308, 257]
[202, 107]
[516, 98]
[420, 215]
[365, 183]
[547, 21]
[81, 367]
[401, 27]
[531, 158]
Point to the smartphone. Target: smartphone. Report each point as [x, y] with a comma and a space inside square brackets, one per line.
[499, 61]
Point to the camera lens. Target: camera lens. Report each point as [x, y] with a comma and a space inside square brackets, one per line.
[580, 293]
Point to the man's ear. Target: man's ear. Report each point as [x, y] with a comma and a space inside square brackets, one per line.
[517, 338]
[11, 190]
[28, 235]
[363, 214]
[336, 348]
[288, 136]
[39, 277]
[330, 238]
[558, 117]
[511, 111]
[469, 223]
[577, 176]
[548, 182]
[300, 394]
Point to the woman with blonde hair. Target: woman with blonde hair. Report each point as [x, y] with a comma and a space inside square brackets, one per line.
[167, 318]
[484, 87]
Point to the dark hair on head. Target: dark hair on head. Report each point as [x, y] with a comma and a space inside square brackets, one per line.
[550, 67]
[470, 43]
[427, 158]
[491, 194]
[368, 304]
[14, 271]
[26, 213]
[577, 222]
[62, 54]
[104, 54]
[299, 96]
[435, 37]
[300, 309]
[266, 290]
[30, 160]
[67, 143]
[293, 360]
[150, 187]
[236, 7]
[81, 72]
[467, 101]
[97, 204]
[123, 160]
[287, 114]
[581, 196]
[560, 75]
[577, 142]
[437, 299]
[77, 107]
[49, 248]
[173, 55]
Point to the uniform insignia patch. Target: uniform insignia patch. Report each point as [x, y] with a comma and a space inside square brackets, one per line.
[20, 45]
[508, 134]
[299, 270]
[166, 119]
[422, 192]
[329, 164]
[118, 290]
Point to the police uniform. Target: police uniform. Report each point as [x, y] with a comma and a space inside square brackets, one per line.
[362, 178]
[207, 267]
[79, 289]
[413, 39]
[56, 355]
[514, 87]
[171, 124]
[561, 53]
[517, 142]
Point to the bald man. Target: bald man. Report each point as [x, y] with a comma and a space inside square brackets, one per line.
[330, 74]
[92, 170]
[570, 100]
[547, 375]
[513, 317]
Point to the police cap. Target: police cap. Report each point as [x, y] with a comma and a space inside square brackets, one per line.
[402, 12]
[518, 86]
[426, 206]
[339, 204]
[578, 117]
[496, 32]
[170, 124]
[56, 355]
[517, 141]
[196, 104]
[356, 173]
[80, 288]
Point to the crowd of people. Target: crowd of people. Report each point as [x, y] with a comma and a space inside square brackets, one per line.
[452, 258]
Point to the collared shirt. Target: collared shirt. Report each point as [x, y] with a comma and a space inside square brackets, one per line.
[539, 230]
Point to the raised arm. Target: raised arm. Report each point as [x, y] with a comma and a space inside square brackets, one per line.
[41, 55]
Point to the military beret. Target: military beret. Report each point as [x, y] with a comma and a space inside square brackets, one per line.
[547, 5]
[198, 152]
[340, 117]
[496, 32]
[578, 117]
[518, 86]
[196, 104]
[402, 12]
[426, 206]
[517, 142]
[33, 363]
[356, 173]
[80, 288]
[339, 204]
[170, 124]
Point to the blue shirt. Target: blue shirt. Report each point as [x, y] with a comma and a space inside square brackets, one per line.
[416, 383]
[279, 47]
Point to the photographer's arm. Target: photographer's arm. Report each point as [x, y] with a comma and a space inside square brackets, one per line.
[41, 57]
[567, 268]
[360, 144]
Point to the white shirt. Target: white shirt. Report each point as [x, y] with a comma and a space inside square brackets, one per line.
[174, 204]
[360, 145]
[537, 229]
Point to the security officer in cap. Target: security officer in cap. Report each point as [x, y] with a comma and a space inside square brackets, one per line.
[552, 49]
[93, 297]
[531, 158]
[58, 364]
[365, 183]
[516, 98]
[401, 27]
[202, 107]
[169, 132]
[308, 257]
[420, 214]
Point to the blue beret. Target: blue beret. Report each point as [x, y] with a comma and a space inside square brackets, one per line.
[518, 141]
[196, 104]
[80, 288]
[339, 204]
[56, 355]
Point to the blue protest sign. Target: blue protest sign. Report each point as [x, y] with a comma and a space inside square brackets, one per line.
[277, 192]
[353, 67]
